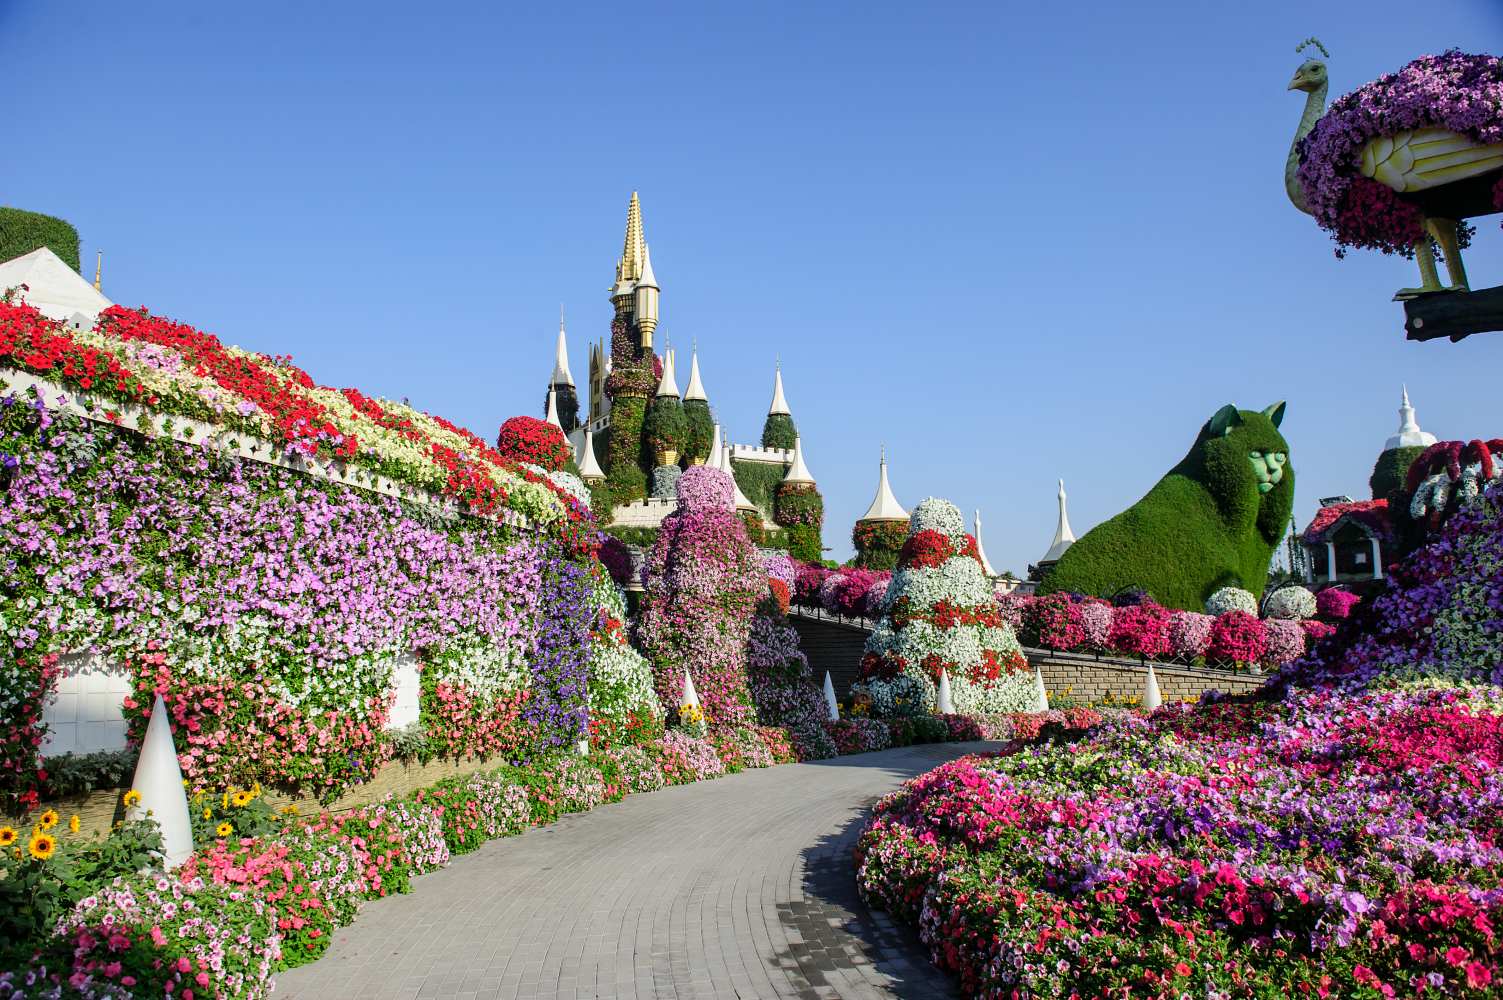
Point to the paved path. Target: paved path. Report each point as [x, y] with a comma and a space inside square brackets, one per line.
[738, 887]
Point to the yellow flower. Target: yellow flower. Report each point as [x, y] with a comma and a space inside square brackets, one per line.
[73, 823]
[224, 830]
[290, 810]
[8, 836]
[255, 791]
[132, 798]
[208, 813]
[42, 845]
[49, 819]
[224, 801]
[241, 799]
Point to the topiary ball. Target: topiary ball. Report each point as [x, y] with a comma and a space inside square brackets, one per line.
[935, 514]
[1290, 604]
[1232, 599]
[704, 488]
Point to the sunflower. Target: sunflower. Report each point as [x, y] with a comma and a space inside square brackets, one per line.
[208, 813]
[8, 836]
[224, 829]
[241, 799]
[132, 798]
[49, 819]
[73, 823]
[42, 845]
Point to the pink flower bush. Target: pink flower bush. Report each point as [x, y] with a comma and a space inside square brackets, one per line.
[704, 488]
[704, 579]
[1335, 604]
[684, 758]
[1095, 621]
[1237, 637]
[1142, 630]
[859, 735]
[1190, 634]
[1286, 641]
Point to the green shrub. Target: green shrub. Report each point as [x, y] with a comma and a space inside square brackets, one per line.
[22, 232]
[778, 431]
[699, 431]
[1390, 470]
[804, 543]
[1204, 526]
[627, 478]
[666, 427]
[759, 481]
[877, 543]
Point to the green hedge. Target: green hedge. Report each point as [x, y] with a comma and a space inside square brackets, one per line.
[878, 543]
[666, 427]
[778, 431]
[759, 481]
[1390, 471]
[700, 433]
[22, 232]
[1204, 525]
[624, 472]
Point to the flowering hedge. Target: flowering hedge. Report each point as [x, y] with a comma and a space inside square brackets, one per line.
[276, 656]
[533, 441]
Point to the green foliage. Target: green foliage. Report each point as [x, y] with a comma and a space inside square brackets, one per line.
[79, 774]
[1204, 526]
[234, 812]
[877, 543]
[600, 501]
[641, 537]
[805, 543]
[700, 431]
[759, 481]
[410, 743]
[778, 431]
[1390, 469]
[624, 472]
[22, 232]
[666, 427]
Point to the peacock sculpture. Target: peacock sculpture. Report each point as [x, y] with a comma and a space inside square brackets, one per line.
[1399, 164]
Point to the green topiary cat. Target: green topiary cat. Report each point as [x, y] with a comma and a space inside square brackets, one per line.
[1213, 521]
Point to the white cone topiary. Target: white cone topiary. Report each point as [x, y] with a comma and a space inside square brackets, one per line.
[946, 702]
[1152, 699]
[831, 706]
[1040, 692]
[159, 782]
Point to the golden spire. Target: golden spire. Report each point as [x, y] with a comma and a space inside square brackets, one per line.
[631, 249]
[98, 269]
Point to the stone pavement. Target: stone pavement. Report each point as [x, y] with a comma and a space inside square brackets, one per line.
[738, 887]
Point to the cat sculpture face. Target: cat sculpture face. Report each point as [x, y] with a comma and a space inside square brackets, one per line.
[1246, 458]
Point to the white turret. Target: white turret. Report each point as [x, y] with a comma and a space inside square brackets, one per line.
[1409, 434]
[561, 374]
[885, 506]
[668, 385]
[1063, 536]
[589, 468]
[742, 503]
[552, 416]
[986, 565]
[696, 388]
[647, 299]
[798, 472]
[779, 404]
[716, 452]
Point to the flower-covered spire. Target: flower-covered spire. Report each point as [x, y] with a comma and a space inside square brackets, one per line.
[1409, 434]
[1063, 536]
[885, 506]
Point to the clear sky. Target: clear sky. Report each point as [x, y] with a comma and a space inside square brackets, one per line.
[1013, 241]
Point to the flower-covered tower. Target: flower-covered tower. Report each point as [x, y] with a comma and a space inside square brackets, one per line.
[800, 510]
[879, 533]
[634, 296]
[778, 431]
[939, 615]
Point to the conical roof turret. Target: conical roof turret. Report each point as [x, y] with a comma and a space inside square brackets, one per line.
[668, 384]
[885, 506]
[779, 404]
[798, 472]
[717, 452]
[561, 373]
[986, 564]
[589, 467]
[1063, 536]
[1409, 434]
[696, 389]
[552, 416]
[742, 503]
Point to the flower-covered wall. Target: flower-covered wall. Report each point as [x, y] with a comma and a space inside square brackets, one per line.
[270, 607]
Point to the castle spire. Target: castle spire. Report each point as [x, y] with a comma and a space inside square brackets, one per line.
[716, 453]
[668, 384]
[1063, 536]
[631, 249]
[1409, 434]
[561, 374]
[798, 472]
[885, 506]
[98, 269]
[647, 299]
[986, 564]
[552, 416]
[696, 388]
[742, 503]
[779, 404]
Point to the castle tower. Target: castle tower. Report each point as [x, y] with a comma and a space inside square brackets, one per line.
[798, 472]
[885, 506]
[1409, 434]
[1064, 537]
[878, 535]
[779, 430]
[630, 381]
[697, 416]
[1399, 452]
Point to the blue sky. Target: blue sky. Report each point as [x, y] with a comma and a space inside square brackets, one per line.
[1012, 241]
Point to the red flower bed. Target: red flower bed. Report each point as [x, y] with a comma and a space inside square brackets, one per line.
[528, 439]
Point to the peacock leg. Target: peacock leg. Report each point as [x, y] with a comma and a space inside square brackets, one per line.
[1445, 234]
[1429, 279]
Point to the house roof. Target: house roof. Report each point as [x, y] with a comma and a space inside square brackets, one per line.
[1371, 515]
[53, 288]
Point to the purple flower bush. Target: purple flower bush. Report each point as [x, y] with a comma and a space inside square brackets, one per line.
[1095, 620]
[1190, 634]
[704, 579]
[783, 688]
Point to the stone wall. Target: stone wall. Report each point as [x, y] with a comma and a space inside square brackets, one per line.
[1089, 680]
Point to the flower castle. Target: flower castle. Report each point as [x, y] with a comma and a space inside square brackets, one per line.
[638, 431]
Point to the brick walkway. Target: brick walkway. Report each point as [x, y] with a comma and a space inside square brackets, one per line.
[737, 887]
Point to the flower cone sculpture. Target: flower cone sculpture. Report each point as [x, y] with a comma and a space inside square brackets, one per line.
[159, 782]
[945, 705]
[1152, 699]
[830, 702]
[1041, 693]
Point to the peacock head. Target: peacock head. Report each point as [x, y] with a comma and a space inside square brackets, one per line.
[1310, 76]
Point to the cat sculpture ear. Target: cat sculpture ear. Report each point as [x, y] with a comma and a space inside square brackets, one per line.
[1224, 420]
[1275, 413]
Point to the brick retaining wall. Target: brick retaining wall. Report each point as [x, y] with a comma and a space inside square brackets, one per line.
[1090, 680]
